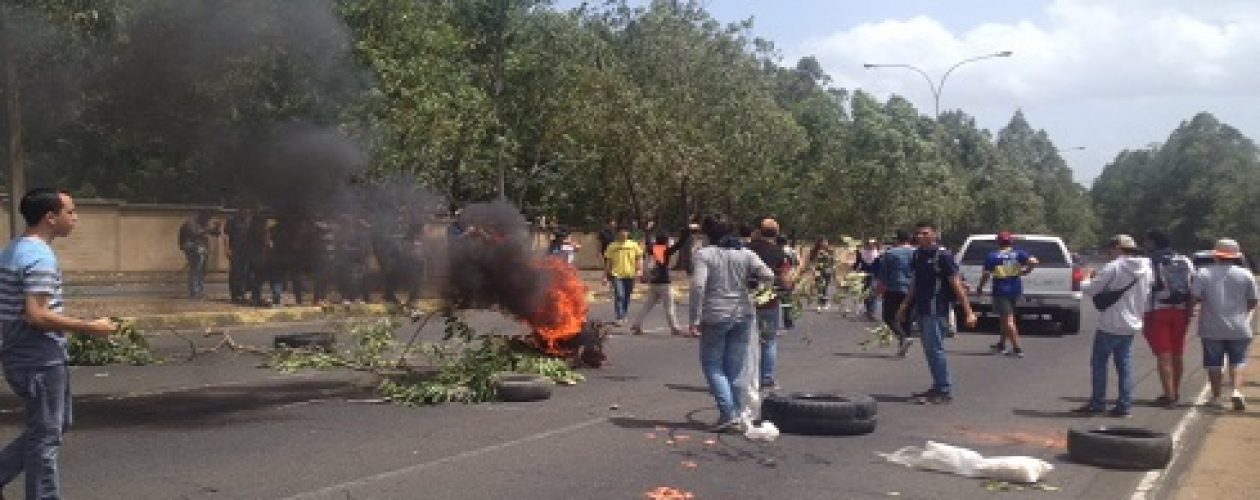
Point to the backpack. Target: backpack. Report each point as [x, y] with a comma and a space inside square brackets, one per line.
[1172, 276]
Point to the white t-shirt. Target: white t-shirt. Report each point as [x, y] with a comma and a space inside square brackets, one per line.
[1224, 290]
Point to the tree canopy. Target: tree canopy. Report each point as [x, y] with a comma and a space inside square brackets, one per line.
[657, 112]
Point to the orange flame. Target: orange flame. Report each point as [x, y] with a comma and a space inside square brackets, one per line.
[563, 310]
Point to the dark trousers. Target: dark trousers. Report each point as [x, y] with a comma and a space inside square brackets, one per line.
[892, 302]
[196, 256]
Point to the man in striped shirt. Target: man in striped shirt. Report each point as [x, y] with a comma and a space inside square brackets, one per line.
[33, 328]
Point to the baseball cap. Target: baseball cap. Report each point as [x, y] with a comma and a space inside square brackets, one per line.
[1124, 241]
[1005, 237]
[1226, 249]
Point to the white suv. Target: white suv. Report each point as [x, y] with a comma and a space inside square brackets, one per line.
[1053, 288]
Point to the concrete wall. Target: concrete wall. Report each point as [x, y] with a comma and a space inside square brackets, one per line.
[115, 236]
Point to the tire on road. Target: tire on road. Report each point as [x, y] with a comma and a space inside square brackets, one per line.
[1120, 447]
[820, 413]
[1070, 322]
[315, 341]
[519, 387]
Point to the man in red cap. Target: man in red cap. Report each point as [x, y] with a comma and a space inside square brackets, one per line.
[1006, 266]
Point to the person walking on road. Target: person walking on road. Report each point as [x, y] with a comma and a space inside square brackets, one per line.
[1121, 292]
[623, 263]
[867, 262]
[34, 340]
[1168, 314]
[1227, 292]
[934, 290]
[660, 284]
[194, 241]
[721, 313]
[768, 311]
[895, 273]
[788, 308]
[823, 261]
[1006, 266]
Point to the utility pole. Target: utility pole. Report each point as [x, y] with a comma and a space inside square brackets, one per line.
[13, 122]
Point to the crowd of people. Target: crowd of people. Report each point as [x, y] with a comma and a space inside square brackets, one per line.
[296, 253]
[742, 284]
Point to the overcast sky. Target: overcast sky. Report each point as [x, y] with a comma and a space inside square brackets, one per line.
[1105, 75]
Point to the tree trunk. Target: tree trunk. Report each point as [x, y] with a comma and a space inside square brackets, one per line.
[13, 108]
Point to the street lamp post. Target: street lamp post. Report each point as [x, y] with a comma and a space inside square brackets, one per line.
[937, 87]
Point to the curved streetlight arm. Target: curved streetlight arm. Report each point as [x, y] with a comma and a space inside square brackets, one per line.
[1004, 53]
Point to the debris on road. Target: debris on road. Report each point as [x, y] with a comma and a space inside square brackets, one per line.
[968, 463]
[669, 493]
[766, 432]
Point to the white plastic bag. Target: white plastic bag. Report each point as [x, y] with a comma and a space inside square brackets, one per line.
[1014, 469]
[765, 432]
[965, 462]
[750, 380]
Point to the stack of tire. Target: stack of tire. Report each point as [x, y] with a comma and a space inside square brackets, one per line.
[820, 414]
[1131, 448]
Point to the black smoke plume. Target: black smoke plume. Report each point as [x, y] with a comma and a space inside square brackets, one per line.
[492, 263]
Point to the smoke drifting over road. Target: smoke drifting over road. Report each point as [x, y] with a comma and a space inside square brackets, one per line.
[493, 263]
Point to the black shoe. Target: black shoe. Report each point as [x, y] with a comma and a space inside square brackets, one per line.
[997, 348]
[1087, 410]
[1118, 413]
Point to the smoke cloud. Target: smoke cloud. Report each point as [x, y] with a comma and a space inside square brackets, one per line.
[493, 263]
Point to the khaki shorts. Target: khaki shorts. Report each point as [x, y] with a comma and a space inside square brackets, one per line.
[1004, 306]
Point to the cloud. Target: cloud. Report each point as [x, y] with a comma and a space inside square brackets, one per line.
[1076, 50]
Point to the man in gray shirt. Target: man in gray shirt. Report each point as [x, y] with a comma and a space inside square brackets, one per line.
[1227, 292]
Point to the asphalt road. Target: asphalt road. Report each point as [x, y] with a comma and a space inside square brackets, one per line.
[217, 427]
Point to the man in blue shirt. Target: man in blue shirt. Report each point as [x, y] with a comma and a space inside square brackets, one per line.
[895, 272]
[1006, 266]
[33, 352]
[935, 287]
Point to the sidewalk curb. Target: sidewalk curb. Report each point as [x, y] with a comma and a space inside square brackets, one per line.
[193, 320]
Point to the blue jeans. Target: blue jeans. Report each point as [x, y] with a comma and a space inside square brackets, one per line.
[1215, 351]
[1121, 348]
[622, 288]
[723, 347]
[196, 256]
[768, 330]
[932, 328]
[45, 394]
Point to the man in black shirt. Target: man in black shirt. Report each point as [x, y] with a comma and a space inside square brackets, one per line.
[768, 311]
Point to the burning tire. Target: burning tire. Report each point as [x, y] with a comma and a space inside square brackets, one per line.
[1120, 447]
[820, 414]
[516, 387]
[316, 341]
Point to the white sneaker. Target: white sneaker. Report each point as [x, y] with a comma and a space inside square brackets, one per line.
[1240, 402]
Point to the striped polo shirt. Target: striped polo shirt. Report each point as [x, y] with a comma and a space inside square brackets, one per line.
[28, 266]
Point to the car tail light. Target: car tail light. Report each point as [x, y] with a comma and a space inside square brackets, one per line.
[1078, 275]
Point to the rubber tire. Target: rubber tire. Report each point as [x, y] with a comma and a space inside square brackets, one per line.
[1131, 448]
[820, 413]
[823, 426]
[520, 387]
[1070, 322]
[316, 341]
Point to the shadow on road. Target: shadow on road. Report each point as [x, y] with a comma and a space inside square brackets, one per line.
[1047, 414]
[888, 398]
[866, 355]
[196, 408]
[648, 423]
[688, 388]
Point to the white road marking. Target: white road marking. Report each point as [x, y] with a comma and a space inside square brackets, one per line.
[325, 491]
[1152, 479]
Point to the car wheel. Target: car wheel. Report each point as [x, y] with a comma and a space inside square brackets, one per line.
[517, 387]
[820, 413]
[1070, 322]
[1120, 447]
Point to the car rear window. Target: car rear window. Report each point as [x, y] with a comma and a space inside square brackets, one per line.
[1046, 252]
